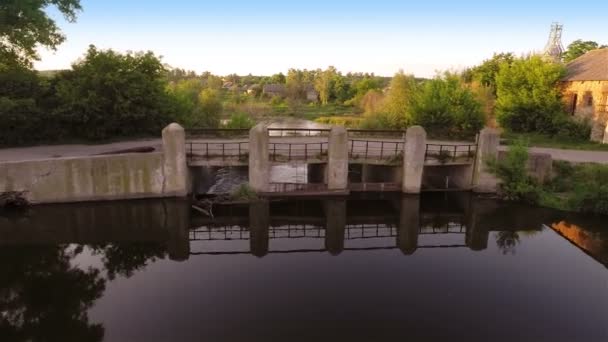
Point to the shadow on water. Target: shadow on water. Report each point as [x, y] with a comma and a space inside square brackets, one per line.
[47, 288]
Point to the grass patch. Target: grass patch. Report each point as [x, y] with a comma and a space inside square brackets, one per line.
[542, 140]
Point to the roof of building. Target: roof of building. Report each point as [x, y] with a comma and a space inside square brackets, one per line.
[274, 88]
[592, 66]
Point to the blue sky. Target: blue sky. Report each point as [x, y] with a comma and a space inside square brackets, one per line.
[265, 37]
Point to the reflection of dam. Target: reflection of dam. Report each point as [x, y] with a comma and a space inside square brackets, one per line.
[344, 225]
[354, 223]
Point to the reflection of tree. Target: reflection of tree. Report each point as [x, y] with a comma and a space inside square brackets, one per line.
[125, 258]
[44, 298]
[506, 241]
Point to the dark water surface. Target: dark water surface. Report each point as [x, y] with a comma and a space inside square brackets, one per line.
[369, 268]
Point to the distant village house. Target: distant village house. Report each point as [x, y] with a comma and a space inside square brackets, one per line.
[274, 90]
[585, 90]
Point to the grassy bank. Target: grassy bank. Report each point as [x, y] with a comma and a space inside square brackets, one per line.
[541, 140]
[574, 187]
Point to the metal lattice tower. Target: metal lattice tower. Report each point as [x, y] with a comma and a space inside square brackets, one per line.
[554, 47]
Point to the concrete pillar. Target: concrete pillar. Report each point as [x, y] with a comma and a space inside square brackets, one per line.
[175, 167]
[178, 223]
[335, 224]
[409, 224]
[259, 222]
[413, 159]
[259, 166]
[487, 149]
[337, 159]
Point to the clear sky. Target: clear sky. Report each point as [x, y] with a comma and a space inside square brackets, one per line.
[263, 37]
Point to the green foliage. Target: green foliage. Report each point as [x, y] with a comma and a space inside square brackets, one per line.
[397, 103]
[244, 192]
[24, 26]
[239, 120]
[111, 94]
[528, 95]
[207, 113]
[445, 107]
[486, 72]
[516, 184]
[578, 48]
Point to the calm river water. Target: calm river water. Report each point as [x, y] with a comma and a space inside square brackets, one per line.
[365, 268]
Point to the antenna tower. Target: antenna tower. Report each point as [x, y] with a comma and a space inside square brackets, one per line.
[554, 47]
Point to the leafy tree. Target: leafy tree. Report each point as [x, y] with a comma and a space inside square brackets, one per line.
[444, 106]
[24, 25]
[278, 78]
[515, 183]
[578, 48]
[209, 109]
[528, 98]
[398, 100]
[108, 94]
[324, 84]
[486, 72]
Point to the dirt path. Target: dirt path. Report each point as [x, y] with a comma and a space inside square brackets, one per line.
[57, 151]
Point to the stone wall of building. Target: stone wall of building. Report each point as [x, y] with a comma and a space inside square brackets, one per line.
[591, 104]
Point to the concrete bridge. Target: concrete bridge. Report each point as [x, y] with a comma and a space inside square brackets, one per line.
[340, 160]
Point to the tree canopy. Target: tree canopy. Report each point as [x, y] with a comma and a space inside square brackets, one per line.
[24, 25]
[578, 48]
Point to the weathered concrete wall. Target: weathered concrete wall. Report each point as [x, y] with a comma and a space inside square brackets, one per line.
[413, 159]
[458, 177]
[591, 101]
[337, 159]
[487, 149]
[259, 166]
[104, 177]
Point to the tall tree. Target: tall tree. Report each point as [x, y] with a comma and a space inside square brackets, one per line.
[24, 25]
[578, 48]
[486, 72]
[528, 98]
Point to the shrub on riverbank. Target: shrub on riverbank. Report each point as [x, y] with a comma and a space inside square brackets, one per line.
[578, 187]
[574, 187]
[516, 184]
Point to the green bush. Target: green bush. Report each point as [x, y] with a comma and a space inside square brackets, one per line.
[239, 120]
[564, 127]
[515, 184]
[108, 94]
[528, 96]
[446, 108]
[590, 193]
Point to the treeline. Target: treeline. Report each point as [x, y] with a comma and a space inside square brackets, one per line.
[104, 95]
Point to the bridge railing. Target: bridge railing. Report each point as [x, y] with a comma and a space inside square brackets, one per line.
[205, 150]
[375, 149]
[297, 151]
[444, 153]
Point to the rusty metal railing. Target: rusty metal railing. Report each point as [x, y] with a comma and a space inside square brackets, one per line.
[444, 153]
[377, 149]
[297, 151]
[199, 150]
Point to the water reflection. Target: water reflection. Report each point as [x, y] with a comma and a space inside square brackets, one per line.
[58, 261]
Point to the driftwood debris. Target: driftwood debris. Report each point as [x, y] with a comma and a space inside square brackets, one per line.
[13, 199]
[205, 205]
